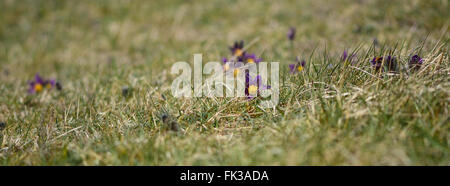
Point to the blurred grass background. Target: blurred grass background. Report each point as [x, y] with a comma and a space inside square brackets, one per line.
[96, 47]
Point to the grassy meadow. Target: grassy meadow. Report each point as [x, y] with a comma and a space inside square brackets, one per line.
[113, 59]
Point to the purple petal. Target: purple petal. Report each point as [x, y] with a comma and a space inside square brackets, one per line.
[31, 87]
[52, 82]
[224, 60]
[38, 79]
[292, 67]
[344, 55]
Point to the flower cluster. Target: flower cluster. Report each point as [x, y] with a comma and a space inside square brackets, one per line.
[298, 66]
[38, 84]
[240, 55]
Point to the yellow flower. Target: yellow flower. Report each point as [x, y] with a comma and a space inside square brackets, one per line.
[38, 87]
[250, 60]
[252, 89]
[300, 68]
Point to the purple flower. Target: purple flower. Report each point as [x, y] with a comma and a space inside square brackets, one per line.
[237, 49]
[297, 67]
[390, 62]
[39, 84]
[253, 86]
[291, 34]
[377, 62]
[36, 85]
[251, 58]
[346, 57]
[415, 62]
